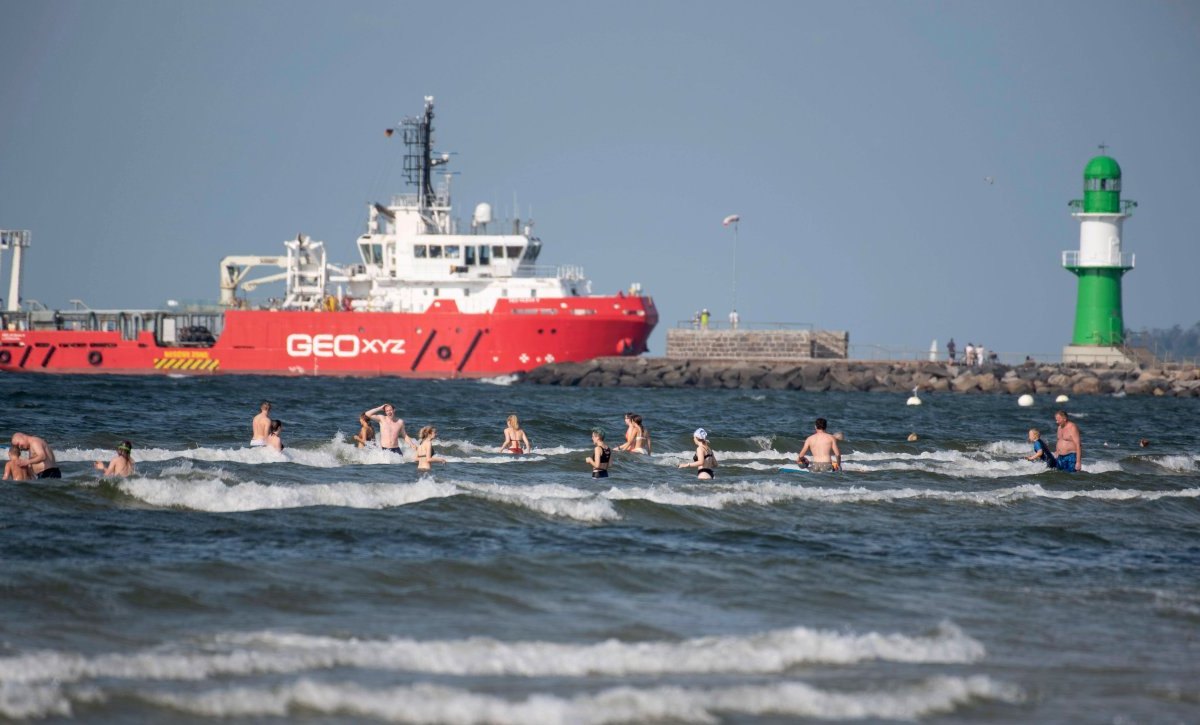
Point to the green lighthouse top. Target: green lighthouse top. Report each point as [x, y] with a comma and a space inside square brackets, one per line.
[1102, 186]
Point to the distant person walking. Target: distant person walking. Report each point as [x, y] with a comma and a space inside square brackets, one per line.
[704, 315]
[969, 355]
[1067, 446]
[734, 320]
[951, 349]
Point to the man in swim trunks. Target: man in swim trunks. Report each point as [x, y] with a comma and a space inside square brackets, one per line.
[41, 461]
[823, 448]
[261, 425]
[390, 428]
[1067, 447]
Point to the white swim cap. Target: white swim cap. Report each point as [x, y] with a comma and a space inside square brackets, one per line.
[700, 434]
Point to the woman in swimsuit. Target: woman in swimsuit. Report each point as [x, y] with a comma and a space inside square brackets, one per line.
[273, 439]
[641, 436]
[121, 464]
[366, 431]
[425, 448]
[703, 458]
[601, 455]
[630, 433]
[515, 440]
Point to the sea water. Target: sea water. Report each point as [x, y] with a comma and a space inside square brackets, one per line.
[944, 579]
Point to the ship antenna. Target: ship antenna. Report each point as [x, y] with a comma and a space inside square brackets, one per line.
[418, 162]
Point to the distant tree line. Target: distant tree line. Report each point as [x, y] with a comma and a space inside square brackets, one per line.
[1175, 343]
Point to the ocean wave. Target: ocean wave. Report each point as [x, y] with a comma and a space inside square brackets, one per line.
[425, 703]
[1179, 463]
[270, 652]
[500, 380]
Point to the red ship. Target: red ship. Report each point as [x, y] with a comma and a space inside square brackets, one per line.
[425, 300]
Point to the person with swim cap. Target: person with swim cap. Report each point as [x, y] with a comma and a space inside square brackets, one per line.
[601, 455]
[824, 448]
[261, 427]
[41, 461]
[121, 464]
[390, 428]
[515, 440]
[1041, 451]
[703, 459]
[14, 468]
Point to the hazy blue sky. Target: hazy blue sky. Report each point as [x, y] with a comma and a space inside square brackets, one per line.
[143, 141]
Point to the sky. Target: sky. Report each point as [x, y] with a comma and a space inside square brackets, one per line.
[141, 142]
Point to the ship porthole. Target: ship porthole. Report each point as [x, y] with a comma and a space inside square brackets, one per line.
[95, 358]
[5, 357]
[443, 352]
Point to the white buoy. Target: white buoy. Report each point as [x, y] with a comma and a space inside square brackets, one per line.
[913, 400]
[1062, 399]
[1025, 400]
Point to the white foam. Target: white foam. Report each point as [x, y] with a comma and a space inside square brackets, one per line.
[269, 652]
[1183, 464]
[213, 495]
[21, 701]
[549, 499]
[426, 703]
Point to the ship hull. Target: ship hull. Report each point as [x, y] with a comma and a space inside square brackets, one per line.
[443, 342]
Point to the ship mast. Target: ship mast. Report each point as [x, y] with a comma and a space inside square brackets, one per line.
[419, 161]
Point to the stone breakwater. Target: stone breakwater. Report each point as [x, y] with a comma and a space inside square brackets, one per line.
[873, 376]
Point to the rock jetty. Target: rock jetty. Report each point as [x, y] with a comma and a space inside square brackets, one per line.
[874, 376]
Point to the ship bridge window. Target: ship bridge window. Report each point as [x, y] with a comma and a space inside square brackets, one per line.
[453, 251]
[470, 252]
[435, 251]
[485, 255]
[372, 253]
[533, 250]
[420, 251]
[514, 252]
[498, 251]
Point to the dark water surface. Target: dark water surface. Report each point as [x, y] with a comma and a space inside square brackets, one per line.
[944, 580]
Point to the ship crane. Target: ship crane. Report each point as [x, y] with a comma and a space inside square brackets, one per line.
[305, 272]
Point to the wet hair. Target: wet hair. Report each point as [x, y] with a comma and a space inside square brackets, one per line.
[125, 448]
[598, 433]
[264, 404]
[514, 421]
[1063, 413]
[364, 418]
[636, 419]
[427, 432]
[14, 452]
[276, 425]
[821, 423]
[1035, 433]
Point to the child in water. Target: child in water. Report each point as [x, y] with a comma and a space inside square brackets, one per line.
[515, 440]
[425, 448]
[601, 455]
[366, 431]
[13, 470]
[1040, 449]
[120, 465]
[273, 439]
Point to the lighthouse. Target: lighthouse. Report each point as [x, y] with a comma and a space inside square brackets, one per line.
[1099, 265]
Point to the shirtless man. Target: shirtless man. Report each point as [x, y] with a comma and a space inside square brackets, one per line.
[1067, 448]
[41, 458]
[390, 428]
[821, 445]
[262, 425]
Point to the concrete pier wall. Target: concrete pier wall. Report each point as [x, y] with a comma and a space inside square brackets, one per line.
[756, 345]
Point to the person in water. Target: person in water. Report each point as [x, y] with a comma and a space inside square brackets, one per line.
[703, 459]
[121, 465]
[1041, 451]
[515, 440]
[261, 427]
[366, 432]
[273, 439]
[601, 455]
[824, 448]
[14, 467]
[1067, 447]
[425, 448]
[41, 463]
[637, 438]
[391, 428]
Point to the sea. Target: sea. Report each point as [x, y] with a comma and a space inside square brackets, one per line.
[944, 579]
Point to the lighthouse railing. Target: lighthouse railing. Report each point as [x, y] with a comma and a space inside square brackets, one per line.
[1071, 258]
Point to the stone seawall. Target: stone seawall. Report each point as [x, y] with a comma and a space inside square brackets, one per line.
[756, 345]
[872, 376]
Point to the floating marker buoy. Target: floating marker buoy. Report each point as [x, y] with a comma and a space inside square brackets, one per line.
[1061, 399]
[914, 400]
[1025, 400]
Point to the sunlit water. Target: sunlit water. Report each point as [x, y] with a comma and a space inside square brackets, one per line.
[942, 580]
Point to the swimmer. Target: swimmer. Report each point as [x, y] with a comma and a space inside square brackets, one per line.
[261, 427]
[515, 440]
[41, 463]
[824, 447]
[14, 468]
[390, 428]
[630, 433]
[703, 458]
[273, 439]
[601, 455]
[1067, 446]
[1144, 443]
[366, 432]
[120, 465]
[1041, 451]
[637, 438]
[425, 448]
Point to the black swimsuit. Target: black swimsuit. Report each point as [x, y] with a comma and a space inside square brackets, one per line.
[709, 471]
[605, 457]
